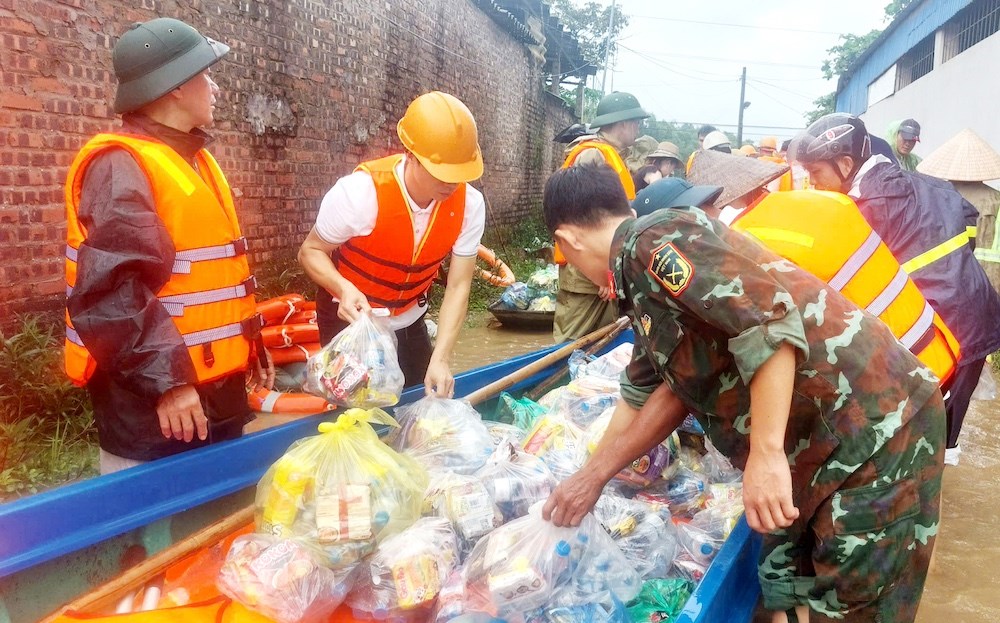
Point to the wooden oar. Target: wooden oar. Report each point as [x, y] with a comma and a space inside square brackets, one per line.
[513, 378]
[104, 597]
[557, 377]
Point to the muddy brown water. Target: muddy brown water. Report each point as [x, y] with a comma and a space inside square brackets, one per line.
[964, 583]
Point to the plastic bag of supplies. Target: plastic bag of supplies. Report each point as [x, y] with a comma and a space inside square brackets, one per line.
[342, 490]
[406, 573]
[359, 367]
[283, 579]
[443, 434]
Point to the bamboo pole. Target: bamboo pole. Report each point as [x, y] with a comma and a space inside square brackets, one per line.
[513, 378]
[559, 375]
[109, 593]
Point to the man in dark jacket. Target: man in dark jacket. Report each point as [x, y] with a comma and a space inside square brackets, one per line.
[930, 229]
[139, 281]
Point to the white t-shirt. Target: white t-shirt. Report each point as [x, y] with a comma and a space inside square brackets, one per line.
[350, 208]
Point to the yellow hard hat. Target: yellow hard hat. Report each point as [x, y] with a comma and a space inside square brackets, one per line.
[748, 150]
[439, 130]
[769, 141]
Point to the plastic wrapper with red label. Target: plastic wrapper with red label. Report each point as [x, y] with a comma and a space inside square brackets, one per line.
[406, 573]
[518, 567]
[283, 579]
[358, 368]
[443, 434]
[516, 480]
[342, 490]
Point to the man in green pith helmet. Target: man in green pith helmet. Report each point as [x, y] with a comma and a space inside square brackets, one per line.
[161, 316]
[581, 305]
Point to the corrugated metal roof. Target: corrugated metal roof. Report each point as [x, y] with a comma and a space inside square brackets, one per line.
[920, 19]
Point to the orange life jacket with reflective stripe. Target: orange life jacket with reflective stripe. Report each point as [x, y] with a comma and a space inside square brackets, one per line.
[614, 160]
[210, 293]
[386, 265]
[826, 234]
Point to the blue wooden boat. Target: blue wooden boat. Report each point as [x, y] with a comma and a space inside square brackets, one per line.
[57, 545]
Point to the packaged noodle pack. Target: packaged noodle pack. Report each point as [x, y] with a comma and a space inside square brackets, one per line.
[359, 367]
[342, 490]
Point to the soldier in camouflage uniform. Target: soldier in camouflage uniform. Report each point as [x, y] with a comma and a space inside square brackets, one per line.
[842, 465]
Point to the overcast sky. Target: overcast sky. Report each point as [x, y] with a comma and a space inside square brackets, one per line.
[683, 62]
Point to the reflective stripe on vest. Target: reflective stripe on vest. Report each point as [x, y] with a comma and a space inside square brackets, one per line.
[388, 266]
[928, 257]
[210, 292]
[826, 234]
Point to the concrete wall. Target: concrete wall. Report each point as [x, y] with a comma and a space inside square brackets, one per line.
[961, 93]
[310, 89]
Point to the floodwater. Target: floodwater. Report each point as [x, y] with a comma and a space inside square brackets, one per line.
[484, 341]
[964, 582]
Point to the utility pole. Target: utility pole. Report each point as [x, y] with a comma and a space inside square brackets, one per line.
[607, 46]
[743, 106]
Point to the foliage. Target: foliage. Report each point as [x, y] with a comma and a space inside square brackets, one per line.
[47, 434]
[895, 7]
[823, 105]
[591, 98]
[282, 275]
[590, 22]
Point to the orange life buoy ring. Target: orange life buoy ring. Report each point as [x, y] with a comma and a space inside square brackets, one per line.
[280, 307]
[499, 273]
[297, 353]
[285, 335]
[269, 401]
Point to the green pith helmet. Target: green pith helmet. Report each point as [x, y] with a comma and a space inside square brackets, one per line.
[155, 57]
[615, 107]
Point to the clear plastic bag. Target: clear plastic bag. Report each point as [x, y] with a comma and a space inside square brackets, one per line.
[559, 443]
[986, 389]
[545, 281]
[647, 539]
[358, 368]
[501, 432]
[443, 434]
[466, 503]
[585, 399]
[717, 467]
[515, 480]
[342, 490]
[283, 579]
[608, 366]
[645, 470]
[700, 541]
[407, 572]
[520, 566]
[516, 296]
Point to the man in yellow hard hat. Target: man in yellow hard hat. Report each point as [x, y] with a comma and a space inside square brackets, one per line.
[383, 231]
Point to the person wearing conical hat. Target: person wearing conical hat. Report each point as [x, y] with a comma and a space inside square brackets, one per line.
[581, 305]
[162, 322]
[929, 228]
[666, 158]
[744, 180]
[383, 232]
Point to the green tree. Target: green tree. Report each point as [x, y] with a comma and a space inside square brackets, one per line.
[895, 7]
[823, 105]
[590, 22]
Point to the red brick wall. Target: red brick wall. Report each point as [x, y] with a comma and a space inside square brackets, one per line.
[310, 88]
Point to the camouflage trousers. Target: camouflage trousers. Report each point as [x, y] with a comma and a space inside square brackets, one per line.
[864, 553]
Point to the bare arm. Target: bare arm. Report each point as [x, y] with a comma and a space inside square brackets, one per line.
[631, 433]
[767, 480]
[314, 256]
[439, 379]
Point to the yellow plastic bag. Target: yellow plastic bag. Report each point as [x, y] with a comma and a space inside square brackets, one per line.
[343, 490]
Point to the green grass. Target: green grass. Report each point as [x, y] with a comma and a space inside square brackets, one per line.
[47, 434]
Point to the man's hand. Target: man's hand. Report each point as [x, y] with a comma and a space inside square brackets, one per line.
[605, 293]
[261, 370]
[767, 491]
[573, 498]
[180, 414]
[438, 381]
[352, 303]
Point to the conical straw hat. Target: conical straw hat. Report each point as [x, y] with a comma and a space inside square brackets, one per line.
[965, 157]
[738, 175]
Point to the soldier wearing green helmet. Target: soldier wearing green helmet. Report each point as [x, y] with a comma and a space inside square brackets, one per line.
[161, 323]
[582, 306]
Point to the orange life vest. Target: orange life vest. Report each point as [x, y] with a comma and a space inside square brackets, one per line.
[210, 294]
[826, 234]
[386, 265]
[614, 160]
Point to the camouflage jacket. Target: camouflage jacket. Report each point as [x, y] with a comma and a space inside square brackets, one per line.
[709, 306]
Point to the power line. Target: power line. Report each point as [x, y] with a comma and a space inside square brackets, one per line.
[790, 92]
[730, 60]
[671, 69]
[775, 99]
[731, 25]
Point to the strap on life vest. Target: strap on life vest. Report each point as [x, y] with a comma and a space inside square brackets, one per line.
[184, 259]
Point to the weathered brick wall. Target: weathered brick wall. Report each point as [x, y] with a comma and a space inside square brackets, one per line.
[310, 89]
